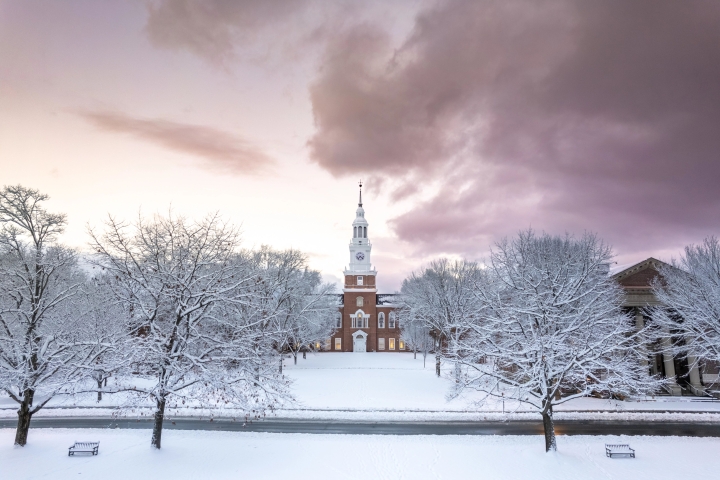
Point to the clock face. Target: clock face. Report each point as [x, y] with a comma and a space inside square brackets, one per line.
[360, 255]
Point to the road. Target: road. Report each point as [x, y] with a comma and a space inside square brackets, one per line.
[562, 427]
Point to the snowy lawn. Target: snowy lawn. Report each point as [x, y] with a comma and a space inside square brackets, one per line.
[396, 381]
[370, 381]
[127, 454]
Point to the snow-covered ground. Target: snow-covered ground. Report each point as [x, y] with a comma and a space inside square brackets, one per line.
[386, 383]
[394, 386]
[222, 455]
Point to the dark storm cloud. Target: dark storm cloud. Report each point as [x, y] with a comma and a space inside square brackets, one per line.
[220, 150]
[563, 114]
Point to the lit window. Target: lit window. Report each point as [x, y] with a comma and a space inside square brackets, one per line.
[381, 320]
[359, 301]
[360, 280]
[338, 343]
[391, 341]
[391, 322]
[402, 345]
[381, 344]
[317, 345]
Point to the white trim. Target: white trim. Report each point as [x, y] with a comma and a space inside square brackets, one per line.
[360, 272]
[360, 333]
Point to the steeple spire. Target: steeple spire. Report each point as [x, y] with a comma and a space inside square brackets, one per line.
[360, 201]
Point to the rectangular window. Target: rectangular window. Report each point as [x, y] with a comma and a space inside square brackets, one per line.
[359, 280]
[338, 343]
[402, 345]
[392, 343]
[381, 344]
[338, 321]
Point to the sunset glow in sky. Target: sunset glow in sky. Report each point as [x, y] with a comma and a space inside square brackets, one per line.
[467, 120]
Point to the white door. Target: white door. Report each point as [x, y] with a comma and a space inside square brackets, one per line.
[359, 344]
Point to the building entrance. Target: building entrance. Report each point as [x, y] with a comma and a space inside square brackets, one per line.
[359, 343]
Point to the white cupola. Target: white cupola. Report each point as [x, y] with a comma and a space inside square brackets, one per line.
[360, 245]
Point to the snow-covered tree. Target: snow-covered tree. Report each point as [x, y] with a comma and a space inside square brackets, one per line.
[550, 325]
[416, 334]
[180, 281]
[105, 331]
[440, 297]
[689, 291]
[290, 308]
[44, 347]
[308, 311]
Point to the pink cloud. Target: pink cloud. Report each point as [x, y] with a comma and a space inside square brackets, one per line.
[220, 150]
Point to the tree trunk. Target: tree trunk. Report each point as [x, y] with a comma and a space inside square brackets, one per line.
[550, 444]
[158, 425]
[414, 353]
[295, 358]
[100, 385]
[281, 364]
[304, 354]
[24, 416]
[437, 364]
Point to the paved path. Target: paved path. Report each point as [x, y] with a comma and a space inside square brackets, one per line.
[567, 427]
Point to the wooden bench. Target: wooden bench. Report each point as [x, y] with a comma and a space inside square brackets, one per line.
[84, 447]
[619, 450]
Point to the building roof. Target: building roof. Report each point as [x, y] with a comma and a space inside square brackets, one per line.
[386, 298]
[641, 274]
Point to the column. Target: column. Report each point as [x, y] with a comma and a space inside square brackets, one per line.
[694, 373]
[670, 366]
[639, 325]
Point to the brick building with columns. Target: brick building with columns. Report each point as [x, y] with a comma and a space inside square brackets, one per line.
[366, 320]
[687, 376]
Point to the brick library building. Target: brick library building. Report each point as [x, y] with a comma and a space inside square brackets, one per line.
[366, 320]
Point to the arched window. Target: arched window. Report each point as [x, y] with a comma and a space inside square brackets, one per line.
[391, 322]
[381, 320]
[355, 232]
[364, 232]
[359, 301]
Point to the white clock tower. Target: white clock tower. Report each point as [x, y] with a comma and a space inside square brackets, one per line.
[360, 246]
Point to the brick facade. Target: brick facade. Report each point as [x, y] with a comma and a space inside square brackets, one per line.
[360, 283]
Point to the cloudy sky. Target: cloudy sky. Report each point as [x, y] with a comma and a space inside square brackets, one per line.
[467, 120]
